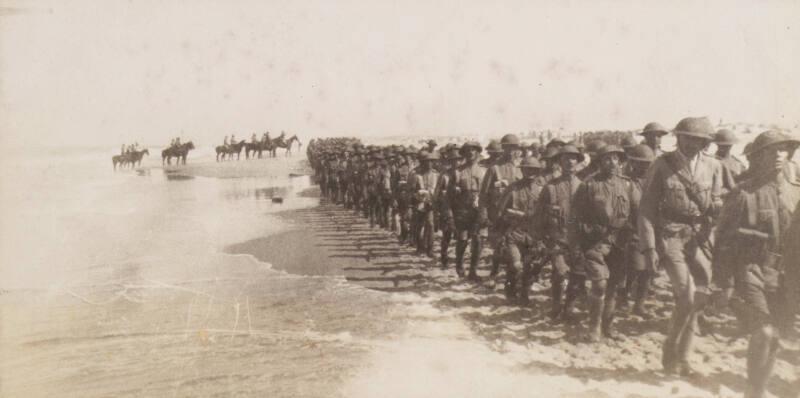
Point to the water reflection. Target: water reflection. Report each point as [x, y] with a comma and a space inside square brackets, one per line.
[172, 175]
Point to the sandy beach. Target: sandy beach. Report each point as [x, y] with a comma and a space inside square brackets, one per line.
[463, 320]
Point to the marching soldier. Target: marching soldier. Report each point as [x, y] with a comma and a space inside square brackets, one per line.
[498, 177]
[652, 134]
[552, 169]
[628, 143]
[516, 210]
[402, 184]
[383, 187]
[556, 220]
[442, 202]
[603, 212]
[425, 187]
[681, 197]
[754, 223]
[495, 151]
[464, 194]
[731, 166]
[640, 157]
[593, 149]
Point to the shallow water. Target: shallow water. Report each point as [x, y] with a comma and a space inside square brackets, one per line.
[117, 284]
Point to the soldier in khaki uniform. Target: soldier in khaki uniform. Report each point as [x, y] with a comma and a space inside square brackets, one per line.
[682, 194]
[640, 157]
[424, 188]
[732, 167]
[552, 169]
[442, 202]
[463, 193]
[593, 149]
[652, 134]
[402, 187]
[555, 219]
[754, 224]
[516, 210]
[498, 177]
[495, 152]
[603, 211]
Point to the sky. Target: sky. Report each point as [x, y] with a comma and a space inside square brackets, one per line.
[110, 72]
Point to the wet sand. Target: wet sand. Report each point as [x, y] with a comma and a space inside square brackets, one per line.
[464, 323]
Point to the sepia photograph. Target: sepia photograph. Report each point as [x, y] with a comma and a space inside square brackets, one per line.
[400, 199]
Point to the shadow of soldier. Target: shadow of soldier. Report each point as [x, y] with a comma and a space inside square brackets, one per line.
[377, 260]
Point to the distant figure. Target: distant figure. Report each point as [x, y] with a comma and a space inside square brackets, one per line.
[122, 149]
[254, 139]
[225, 141]
[233, 140]
[177, 141]
[732, 167]
[652, 133]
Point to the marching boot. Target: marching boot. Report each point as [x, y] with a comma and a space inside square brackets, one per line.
[622, 303]
[593, 334]
[641, 294]
[495, 265]
[608, 319]
[556, 293]
[445, 246]
[461, 247]
[761, 354]
[525, 285]
[510, 286]
[475, 256]
[568, 314]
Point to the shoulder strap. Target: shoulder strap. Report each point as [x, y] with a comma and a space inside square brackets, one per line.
[688, 183]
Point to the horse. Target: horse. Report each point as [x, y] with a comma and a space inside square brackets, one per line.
[230, 150]
[133, 159]
[280, 143]
[178, 152]
[254, 147]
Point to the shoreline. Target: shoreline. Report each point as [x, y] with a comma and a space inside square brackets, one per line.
[328, 240]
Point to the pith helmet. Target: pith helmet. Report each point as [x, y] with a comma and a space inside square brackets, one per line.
[432, 143]
[642, 153]
[725, 137]
[494, 147]
[571, 150]
[510, 140]
[654, 128]
[699, 127]
[530, 163]
[770, 138]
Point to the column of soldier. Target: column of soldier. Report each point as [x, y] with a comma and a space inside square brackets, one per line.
[723, 233]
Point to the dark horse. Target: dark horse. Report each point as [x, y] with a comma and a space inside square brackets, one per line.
[230, 150]
[178, 152]
[259, 147]
[280, 143]
[133, 159]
